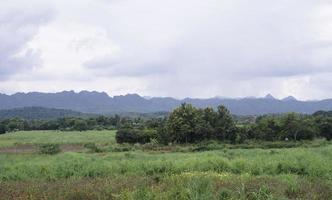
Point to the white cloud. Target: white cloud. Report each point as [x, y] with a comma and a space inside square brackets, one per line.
[183, 48]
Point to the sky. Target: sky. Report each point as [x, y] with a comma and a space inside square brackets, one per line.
[177, 48]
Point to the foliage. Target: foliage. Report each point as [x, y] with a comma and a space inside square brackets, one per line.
[323, 114]
[92, 147]
[325, 127]
[65, 124]
[80, 125]
[220, 171]
[39, 113]
[310, 162]
[50, 149]
[2, 129]
[135, 136]
[184, 186]
[188, 124]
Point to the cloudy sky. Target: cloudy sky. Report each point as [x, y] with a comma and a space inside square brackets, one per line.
[177, 48]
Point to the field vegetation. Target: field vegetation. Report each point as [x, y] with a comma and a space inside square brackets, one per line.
[207, 170]
[192, 154]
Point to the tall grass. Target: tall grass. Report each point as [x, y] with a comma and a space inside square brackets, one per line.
[312, 162]
[184, 186]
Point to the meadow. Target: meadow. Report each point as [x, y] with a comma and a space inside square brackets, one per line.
[151, 171]
[57, 137]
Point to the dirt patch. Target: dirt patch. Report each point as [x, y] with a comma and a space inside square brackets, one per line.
[31, 148]
[27, 148]
[71, 147]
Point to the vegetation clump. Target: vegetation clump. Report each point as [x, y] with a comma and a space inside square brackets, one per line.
[188, 124]
[50, 149]
[92, 147]
[2, 129]
[133, 136]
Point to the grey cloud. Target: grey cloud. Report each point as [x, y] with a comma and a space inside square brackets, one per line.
[106, 66]
[217, 38]
[19, 23]
[191, 47]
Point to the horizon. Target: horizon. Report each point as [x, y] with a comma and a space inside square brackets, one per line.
[190, 48]
[268, 95]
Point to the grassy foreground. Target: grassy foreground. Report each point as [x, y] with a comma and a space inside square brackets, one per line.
[289, 173]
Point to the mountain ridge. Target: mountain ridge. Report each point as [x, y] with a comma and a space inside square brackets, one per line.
[102, 103]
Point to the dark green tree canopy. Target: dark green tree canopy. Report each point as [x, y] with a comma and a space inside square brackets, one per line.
[189, 124]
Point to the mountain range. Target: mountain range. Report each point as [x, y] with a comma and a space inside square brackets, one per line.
[102, 103]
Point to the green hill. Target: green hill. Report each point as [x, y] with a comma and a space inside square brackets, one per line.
[37, 113]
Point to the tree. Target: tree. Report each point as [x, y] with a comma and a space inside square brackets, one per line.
[224, 125]
[2, 129]
[290, 126]
[182, 124]
[80, 125]
[210, 118]
[267, 128]
[325, 128]
[307, 129]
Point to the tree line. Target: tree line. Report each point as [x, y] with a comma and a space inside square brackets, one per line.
[80, 123]
[188, 124]
[65, 124]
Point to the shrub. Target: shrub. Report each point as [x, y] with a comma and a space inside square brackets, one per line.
[50, 149]
[92, 147]
[225, 194]
[135, 136]
[2, 129]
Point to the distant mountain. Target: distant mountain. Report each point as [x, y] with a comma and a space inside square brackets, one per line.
[101, 103]
[289, 98]
[36, 113]
[269, 96]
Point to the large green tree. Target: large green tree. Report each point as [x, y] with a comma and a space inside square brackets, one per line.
[189, 124]
[298, 127]
[225, 128]
[267, 128]
[181, 124]
[80, 125]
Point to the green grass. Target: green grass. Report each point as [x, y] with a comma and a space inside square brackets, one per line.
[223, 172]
[311, 162]
[57, 137]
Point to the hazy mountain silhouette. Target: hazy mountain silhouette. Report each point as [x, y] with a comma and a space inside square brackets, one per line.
[289, 98]
[100, 102]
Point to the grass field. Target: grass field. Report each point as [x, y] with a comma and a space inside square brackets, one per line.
[58, 137]
[119, 172]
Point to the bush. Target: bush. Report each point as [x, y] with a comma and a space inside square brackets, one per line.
[93, 147]
[2, 129]
[50, 149]
[135, 136]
